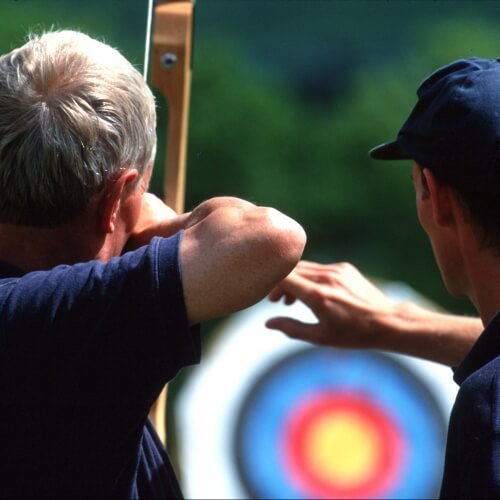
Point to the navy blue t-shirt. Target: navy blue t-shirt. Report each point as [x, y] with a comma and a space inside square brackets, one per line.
[472, 464]
[84, 352]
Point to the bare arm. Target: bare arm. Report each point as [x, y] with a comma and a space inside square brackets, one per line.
[156, 219]
[353, 313]
[232, 252]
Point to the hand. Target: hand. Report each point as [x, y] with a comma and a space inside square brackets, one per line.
[354, 313]
[155, 219]
[350, 309]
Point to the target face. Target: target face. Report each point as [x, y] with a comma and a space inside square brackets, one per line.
[265, 416]
[324, 423]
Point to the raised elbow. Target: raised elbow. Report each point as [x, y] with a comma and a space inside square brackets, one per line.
[287, 240]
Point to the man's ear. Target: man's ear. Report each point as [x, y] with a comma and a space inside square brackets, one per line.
[442, 198]
[112, 196]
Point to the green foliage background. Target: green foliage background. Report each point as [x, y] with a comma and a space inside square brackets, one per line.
[256, 133]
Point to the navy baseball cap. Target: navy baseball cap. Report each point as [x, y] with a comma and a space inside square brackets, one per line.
[455, 126]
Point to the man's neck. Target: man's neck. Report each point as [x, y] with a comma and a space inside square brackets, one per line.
[32, 248]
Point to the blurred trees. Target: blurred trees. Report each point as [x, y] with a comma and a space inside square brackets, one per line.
[122, 24]
[251, 136]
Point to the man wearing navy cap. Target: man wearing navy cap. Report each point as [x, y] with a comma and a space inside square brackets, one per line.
[453, 137]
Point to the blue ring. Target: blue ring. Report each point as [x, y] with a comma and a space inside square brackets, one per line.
[383, 381]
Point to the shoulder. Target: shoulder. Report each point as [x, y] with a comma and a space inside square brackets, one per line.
[472, 468]
[478, 399]
[94, 287]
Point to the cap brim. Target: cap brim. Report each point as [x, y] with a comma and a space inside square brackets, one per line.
[389, 151]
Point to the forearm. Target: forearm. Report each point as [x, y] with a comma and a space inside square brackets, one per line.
[164, 228]
[155, 219]
[413, 330]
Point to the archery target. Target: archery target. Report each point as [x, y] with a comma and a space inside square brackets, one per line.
[265, 416]
[339, 424]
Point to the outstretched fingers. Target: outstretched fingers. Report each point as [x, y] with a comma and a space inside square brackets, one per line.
[296, 329]
[349, 308]
[295, 286]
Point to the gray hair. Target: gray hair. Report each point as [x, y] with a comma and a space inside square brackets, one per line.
[74, 113]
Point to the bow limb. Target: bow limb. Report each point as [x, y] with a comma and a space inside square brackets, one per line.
[171, 74]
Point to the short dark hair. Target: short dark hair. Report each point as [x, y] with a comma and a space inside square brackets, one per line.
[479, 193]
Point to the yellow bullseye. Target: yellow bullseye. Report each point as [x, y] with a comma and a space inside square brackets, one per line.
[342, 448]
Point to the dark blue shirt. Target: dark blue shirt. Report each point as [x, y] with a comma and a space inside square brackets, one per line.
[472, 465]
[84, 352]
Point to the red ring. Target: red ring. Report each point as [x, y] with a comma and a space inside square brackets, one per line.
[387, 468]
